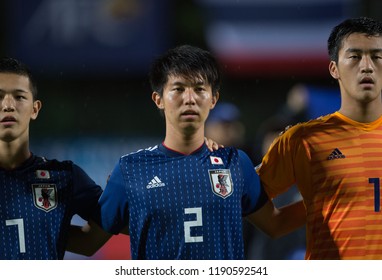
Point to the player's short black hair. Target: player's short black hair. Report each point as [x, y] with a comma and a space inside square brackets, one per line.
[187, 61]
[13, 66]
[363, 25]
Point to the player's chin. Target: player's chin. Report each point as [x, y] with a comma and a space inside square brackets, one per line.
[8, 136]
[190, 126]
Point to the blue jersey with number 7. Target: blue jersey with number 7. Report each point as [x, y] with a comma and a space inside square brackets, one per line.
[38, 201]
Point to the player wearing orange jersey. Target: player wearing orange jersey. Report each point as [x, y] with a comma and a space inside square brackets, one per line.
[336, 160]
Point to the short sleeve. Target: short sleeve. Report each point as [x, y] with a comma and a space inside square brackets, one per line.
[86, 193]
[113, 204]
[285, 159]
[254, 196]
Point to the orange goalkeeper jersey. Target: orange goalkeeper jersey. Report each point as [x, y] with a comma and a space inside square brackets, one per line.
[337, 166]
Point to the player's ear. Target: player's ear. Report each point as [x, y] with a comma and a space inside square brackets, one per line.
[157, 99]
[333, 70]
[215, 99]
[36, 108]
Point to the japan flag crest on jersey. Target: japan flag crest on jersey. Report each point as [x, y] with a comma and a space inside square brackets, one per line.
[45, 196]
[221, 182]
[42, 174]
[216, 160]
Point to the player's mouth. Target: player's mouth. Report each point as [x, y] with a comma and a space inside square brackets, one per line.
[367, 81]
[189, 114]
[8, 120]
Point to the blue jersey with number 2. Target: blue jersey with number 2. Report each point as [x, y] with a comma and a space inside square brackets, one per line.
[182, 206]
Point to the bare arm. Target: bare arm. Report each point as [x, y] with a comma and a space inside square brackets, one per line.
[278, 222]
[86, 240]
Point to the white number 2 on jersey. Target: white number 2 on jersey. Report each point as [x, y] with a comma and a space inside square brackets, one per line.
[20, 229]
[198, 222]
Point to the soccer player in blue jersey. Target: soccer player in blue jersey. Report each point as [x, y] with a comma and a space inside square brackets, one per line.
[38, 196]
[178, 199]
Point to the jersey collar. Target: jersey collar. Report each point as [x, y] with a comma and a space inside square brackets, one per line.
[172, 153]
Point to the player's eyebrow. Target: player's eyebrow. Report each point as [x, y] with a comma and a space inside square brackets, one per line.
[13, 91]
[357, 50]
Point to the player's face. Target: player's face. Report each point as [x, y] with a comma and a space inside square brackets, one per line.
[186, 103]
[359, 69]
[17, 107]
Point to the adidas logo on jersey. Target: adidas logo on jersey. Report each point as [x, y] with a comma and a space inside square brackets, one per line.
[155, 183]
[336, 154]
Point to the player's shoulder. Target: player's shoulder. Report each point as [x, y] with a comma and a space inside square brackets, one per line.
[299, 129]
[53, 164]
[226, 151]
[141, 153]
[231, 153]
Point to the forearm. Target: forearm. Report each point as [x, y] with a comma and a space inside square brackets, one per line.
[290, 218]
[86, 240]
[278, 222]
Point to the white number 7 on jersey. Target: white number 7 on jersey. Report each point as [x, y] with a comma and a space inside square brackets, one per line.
[20, 228]
[195, 223]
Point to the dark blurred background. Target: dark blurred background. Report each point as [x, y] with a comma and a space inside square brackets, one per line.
[91, 59]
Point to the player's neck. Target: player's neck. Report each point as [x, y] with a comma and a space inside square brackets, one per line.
[13, 154]
[184, 143]
[363, 114]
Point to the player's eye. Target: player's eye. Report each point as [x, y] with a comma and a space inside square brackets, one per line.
[199, 89]
[178, 89]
